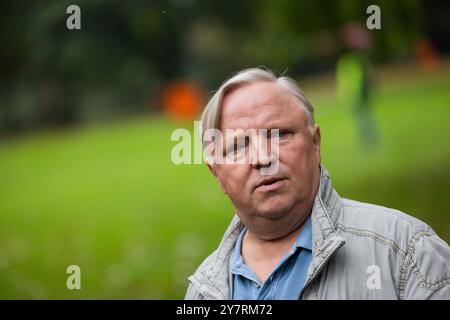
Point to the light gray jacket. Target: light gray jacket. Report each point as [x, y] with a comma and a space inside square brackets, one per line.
[360, 251]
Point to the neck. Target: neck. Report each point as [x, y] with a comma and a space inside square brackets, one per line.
[260, 246]
[263, 255]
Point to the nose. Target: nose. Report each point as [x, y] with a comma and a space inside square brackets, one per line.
[264, 154]
[267, 164]
[263, 160]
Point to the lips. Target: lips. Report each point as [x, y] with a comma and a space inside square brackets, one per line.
[269, 184]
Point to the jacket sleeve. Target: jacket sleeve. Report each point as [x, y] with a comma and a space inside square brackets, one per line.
[192, 294]
[427, 267]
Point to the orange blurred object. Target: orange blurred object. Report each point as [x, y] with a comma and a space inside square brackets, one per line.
[183, 99]
[426, 55]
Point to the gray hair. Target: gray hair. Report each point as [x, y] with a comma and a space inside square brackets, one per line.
[211, 114]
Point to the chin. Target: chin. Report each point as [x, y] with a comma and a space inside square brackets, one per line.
[273, 209]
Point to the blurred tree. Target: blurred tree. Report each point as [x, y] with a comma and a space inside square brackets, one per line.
[126, 50]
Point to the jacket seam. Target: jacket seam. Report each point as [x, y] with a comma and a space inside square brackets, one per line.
[429, 285]
[195, 285]
[379, 238]
[407, 261]
[318, 224]
[410, 262]
[333, 209]
[327, 216]
[376, 236]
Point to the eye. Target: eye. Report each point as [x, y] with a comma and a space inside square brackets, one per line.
[237, 146]
[278, 133]
[283, 133]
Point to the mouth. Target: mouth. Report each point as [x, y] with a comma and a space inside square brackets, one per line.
[269, 184]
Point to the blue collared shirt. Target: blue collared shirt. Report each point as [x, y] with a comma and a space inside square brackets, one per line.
[284, 282]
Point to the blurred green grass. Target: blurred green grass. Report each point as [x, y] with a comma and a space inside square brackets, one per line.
[107, 197]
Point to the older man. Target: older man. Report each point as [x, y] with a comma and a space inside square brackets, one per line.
[293, 236]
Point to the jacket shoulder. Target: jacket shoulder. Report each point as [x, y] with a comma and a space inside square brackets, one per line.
[381, 222]
[422, 265]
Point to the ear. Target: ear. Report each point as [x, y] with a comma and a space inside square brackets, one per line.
[316, 139]
[316, 135]
[212, 169]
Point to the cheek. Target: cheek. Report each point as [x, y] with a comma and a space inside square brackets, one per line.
[233, 178]
[298, 156]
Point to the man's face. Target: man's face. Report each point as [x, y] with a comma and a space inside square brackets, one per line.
[277, 207]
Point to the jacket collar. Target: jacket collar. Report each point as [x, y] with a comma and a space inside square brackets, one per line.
[213, 279]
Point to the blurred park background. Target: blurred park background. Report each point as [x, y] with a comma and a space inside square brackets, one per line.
[86, 118]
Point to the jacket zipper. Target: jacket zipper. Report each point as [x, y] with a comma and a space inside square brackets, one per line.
[318, 271]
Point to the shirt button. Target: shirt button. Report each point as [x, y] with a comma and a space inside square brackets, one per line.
[256, 284]
[271, 278]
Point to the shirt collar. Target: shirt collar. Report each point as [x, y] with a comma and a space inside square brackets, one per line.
[304, 240]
